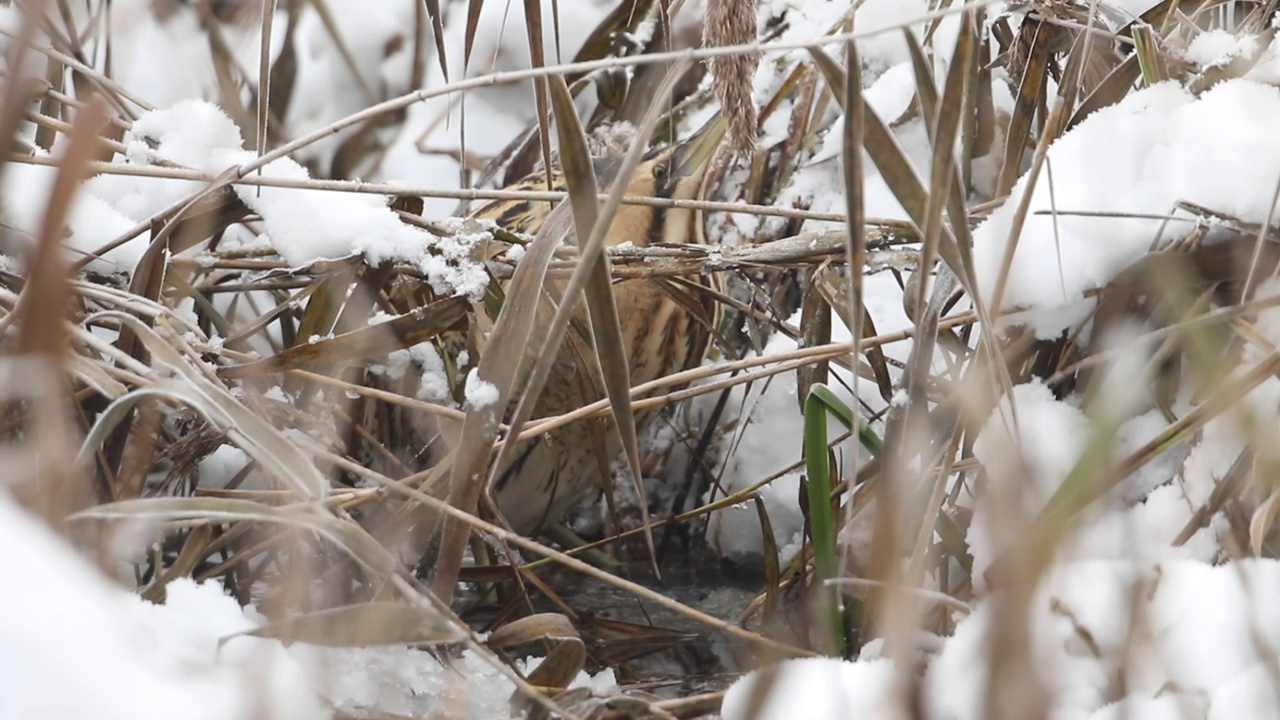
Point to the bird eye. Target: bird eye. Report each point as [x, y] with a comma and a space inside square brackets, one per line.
[660, 171]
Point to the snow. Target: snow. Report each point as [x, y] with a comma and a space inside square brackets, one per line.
[1219, 47]
[93, 220]
[77, 645]
[303, 225]
[433, 383]
[480, 393]
[424, 151]
[891, 94]
[816, 688]
[379, 36]
[1179, 639]
[1132, 9]
[183, 41]
[65, 627]
[1137, 520]
[1201, 633]
[1139, 156]
[769, 433]
[1124, 623]
[218, 468]
[408, 682]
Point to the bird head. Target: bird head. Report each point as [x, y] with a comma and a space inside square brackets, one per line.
[677, 170]
[673, 172]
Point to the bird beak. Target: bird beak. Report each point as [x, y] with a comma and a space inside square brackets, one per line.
[693, 155]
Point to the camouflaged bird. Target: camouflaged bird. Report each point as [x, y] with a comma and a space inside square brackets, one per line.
[661, 335]
[665, 330]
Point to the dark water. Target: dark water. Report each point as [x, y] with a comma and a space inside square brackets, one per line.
[679, 656]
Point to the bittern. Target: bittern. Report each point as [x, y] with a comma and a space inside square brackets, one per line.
[665, 329]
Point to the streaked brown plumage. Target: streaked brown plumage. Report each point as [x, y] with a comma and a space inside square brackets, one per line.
[661, 335]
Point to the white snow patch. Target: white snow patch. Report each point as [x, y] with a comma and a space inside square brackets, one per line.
[217, 469]
[433, 383]
[480, 393]
[1174, 637]
[1138, 519]
[1219, 47]
[816, 689]
[1139, 156]
[75, 645]
[303, 225]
